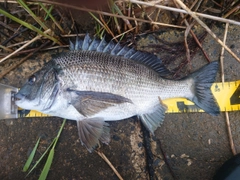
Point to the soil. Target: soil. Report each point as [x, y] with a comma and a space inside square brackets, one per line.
[195, 144]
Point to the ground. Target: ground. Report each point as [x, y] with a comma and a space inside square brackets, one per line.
[195, 144]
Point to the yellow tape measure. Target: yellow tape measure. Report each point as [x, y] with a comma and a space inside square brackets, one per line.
[28, 113]
[227, 95]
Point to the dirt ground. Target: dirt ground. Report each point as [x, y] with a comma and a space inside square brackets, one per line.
[195, 144]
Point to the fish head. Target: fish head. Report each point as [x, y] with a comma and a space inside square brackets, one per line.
[41, 88]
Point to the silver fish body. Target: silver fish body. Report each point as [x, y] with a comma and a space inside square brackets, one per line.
[99, 81]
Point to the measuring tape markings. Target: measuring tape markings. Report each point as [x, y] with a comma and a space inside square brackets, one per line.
[226, 94]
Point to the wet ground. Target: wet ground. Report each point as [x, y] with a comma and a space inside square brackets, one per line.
[195, 144]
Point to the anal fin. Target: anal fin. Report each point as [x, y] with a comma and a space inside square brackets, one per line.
[91, 131]
[153, 120]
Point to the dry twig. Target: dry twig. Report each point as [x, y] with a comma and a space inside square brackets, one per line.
[109, 163]
[226, 113]
[185, 40]
[194, 15]
[110, 14]
[25, 45]
[123, 33]
[192, 33]
[7, 70]
[184, 11]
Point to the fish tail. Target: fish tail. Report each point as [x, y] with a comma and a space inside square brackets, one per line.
[202, 94]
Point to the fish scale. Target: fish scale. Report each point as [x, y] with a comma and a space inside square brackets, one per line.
[99, 81]
[109, 79]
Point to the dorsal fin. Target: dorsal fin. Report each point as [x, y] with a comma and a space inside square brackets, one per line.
[148, 59]
[86, 42]
[108, 48]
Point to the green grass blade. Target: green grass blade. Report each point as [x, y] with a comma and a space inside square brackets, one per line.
[50, 156]
[47, 11]
[37, 19]
[121, 37]
[115, 8]
[97, 19]
[47, 165]
[29, 26]
[40, 159]
[30, 158]
[59, 132]
[50, 15]
[100, 31]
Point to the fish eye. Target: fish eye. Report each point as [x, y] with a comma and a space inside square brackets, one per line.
[58, 66]
[32, 79]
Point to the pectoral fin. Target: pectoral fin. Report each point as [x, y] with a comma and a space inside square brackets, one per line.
[89, 102]
[90, 131]
[153, 120]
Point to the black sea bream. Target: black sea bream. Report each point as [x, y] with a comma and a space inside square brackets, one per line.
[98, 81]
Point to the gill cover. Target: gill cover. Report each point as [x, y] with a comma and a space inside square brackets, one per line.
[44, 84]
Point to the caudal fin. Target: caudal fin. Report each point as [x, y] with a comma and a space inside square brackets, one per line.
[203, 79]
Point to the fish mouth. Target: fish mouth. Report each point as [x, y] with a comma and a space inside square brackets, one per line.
[22, 101]
[19, 97]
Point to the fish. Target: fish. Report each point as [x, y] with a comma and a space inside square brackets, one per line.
[98, 81]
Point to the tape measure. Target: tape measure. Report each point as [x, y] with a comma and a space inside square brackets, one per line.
[30, 113]
[227, 95]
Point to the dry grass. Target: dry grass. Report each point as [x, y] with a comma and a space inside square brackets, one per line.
[122, 19]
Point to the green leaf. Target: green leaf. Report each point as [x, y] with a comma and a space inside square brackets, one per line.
[47, 165]
[39, 160]
[50, 15]
[27, 25]
[30, 158]
[37, 19]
